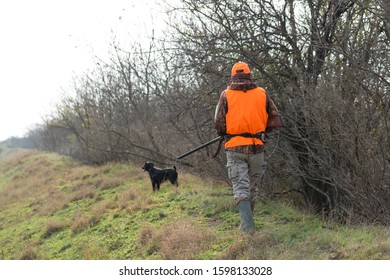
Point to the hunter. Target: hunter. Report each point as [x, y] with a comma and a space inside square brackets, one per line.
[242, 114]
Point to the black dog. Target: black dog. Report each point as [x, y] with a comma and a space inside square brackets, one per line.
[158, 176]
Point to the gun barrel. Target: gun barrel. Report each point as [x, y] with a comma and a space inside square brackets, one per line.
[200, 147]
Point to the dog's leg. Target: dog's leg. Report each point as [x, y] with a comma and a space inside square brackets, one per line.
[174, 181]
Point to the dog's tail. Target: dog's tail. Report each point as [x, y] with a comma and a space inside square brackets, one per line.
[174, 167]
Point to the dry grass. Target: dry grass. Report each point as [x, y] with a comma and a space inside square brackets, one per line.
[51, 203]
[177, 241]
[101, 208]
[57, 181]
[83, 192]
[83, 221]
[134, 199]
[93, 251]
[147, 235]
[243, 246]
[11, 158]
[29, 254]
[53, 227]
[34, 173]
[112, 206]
[126, 196]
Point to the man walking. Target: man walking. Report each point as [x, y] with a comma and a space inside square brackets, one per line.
[242, 114]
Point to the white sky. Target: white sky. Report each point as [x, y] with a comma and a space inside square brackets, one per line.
[45, 43]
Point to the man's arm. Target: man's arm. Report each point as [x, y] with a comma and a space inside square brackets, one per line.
[220, 115]
[274, 119]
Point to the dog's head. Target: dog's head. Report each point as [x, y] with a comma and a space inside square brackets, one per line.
[147, 166]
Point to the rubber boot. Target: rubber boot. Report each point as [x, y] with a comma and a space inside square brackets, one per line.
[246, 216]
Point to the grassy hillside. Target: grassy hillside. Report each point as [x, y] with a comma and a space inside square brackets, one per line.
[52, 207]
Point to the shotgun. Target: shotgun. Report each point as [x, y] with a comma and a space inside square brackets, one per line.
[219, 138]
[273, 122]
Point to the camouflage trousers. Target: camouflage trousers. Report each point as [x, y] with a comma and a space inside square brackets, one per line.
[246, 172]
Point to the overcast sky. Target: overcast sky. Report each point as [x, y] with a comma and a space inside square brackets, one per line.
[45, 43]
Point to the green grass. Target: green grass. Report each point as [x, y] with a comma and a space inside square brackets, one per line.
[52, 207]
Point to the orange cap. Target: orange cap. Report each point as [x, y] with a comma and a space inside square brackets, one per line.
[240, 67]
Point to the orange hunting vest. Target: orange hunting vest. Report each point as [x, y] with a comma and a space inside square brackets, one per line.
[246, 114]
